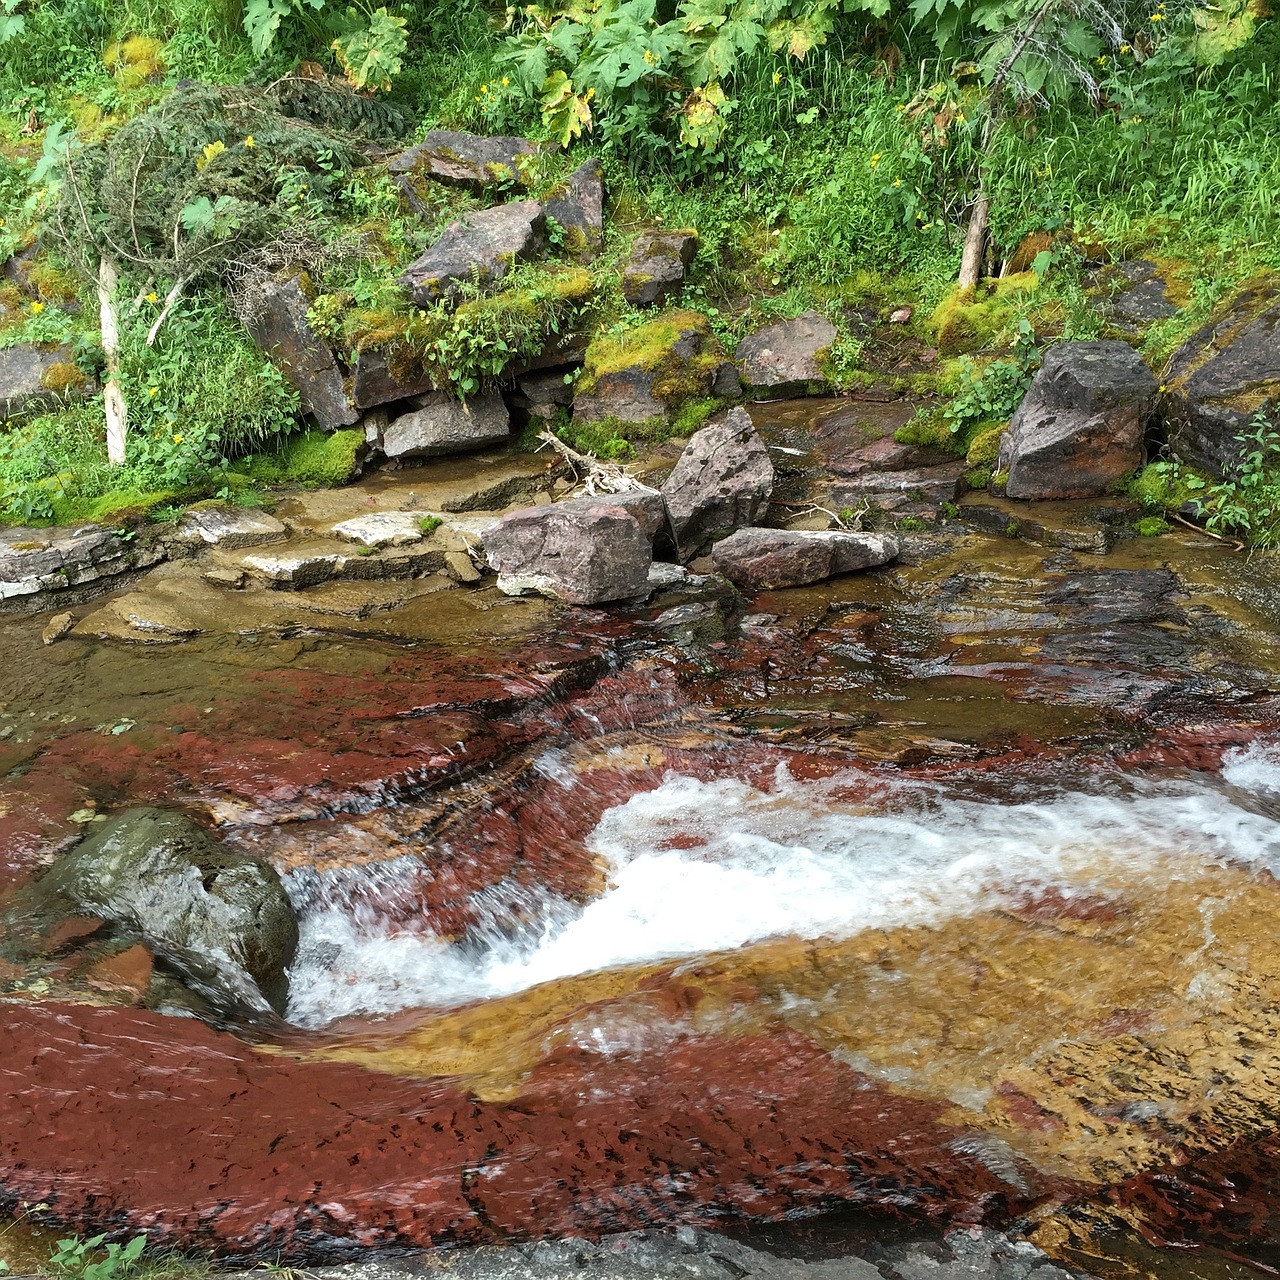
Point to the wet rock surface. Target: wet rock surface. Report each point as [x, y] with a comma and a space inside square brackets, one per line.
[41, 565]
[786, 358]
[440, 423]
[721, 482]
[1080, 426]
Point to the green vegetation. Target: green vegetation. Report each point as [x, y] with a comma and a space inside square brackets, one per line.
[1152, 526]
[75, 1258]
[830, 154]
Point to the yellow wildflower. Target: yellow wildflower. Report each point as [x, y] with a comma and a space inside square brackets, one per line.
[484, 88]
[153, 297]
[902, 106]
[37, 308]
[875, 159]
[591, 93]
[177, 439]
[249, 142]
[1157, 17]
[777, 77]
[1124, 48]
[1102, 60]
[962, 119]
[1163, 387]
[153, 392]
[897, 182]
[506, 80]
[927, 226]
[650, 58]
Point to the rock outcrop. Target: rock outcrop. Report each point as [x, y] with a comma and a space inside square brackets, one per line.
[721, 482]
[479, 247]
[466, 160]
[221, 918]
[651, 372]
[279, 325]
[28, 378]
[228, 529]
[439, 423]
[578, 207]
[35, 563]
[1221, 377]
[764, 559]
[786, 358]
[381, 377]
[1080, 426]
[657, 265]
[584, 552]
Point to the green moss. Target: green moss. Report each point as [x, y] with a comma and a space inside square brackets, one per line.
[312, 458]
[978, 477]
[969, 319]
[983, 454]
[998, 481]
[1152, 526]
[429, 524]
[609, 438]
[1165, 486]
[692, 416]
[113, 506]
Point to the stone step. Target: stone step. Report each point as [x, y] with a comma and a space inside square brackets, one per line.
[308, 562]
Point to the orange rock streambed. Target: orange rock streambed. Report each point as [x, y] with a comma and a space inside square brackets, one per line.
[945, 892]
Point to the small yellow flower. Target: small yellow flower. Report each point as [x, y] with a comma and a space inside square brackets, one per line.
[902, 106]
[651, 59]
[153, 297]
[897, 182]
[1102, 60]
[962, 119]
[249, 142]
[927, 226]
[506, 80]
[1124, 48]
[875, 159]
[1163, 387]
[153, 392]
[1157, 17]
[777, 77]
[37, 308]
[484, 88]
[591, 93]
[177, 439]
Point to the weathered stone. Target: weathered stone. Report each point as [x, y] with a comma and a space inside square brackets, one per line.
[38, 561]
[442, 424]
[1221, 377]
[382, 528]
[57, 627]
[127, 972]
[584, 553]
[786, 358]
[650, 372]
[221, 918]
[229, 579]
[726, 384]
[297, 569]
[762, 559]
[467, 159]
[657, 266]
[1080, 426]
[461, 568]
[479, 247]
[228, 529]
[645, 505]
[721, 482]
[578, 207]
[380, 379]
[24, 385]
[541, 393]
[279, 325]
[913, 491]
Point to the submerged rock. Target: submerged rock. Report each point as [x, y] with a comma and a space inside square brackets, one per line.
[279, 325]
[479, 247]
[1221, 377]
[1080, 426]
[440, 423]
[588, 551]
[763, 559]
[657, 266]
[721, 482]
[786, 358]
[221, 918]
[466, 159]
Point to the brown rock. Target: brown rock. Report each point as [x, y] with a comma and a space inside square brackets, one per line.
[127, 972]
[57, 627]
[657, 266]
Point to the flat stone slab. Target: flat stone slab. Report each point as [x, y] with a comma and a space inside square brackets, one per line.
[764, 559]
[384, 528]
[38, 561]
[308, 564]
[923, 487]
[220, 527]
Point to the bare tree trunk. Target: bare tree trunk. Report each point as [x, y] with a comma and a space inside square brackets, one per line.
[975, 243]
[112, 396]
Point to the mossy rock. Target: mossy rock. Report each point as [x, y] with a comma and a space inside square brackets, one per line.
[321, 458]
[967, 320]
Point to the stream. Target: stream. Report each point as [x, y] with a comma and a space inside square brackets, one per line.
[945, 893]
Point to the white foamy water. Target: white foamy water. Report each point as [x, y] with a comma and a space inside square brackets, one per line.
[793, 859]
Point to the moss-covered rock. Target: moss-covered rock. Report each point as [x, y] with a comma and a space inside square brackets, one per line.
[651, 372]
[984, 454]
[969, 319]
[312, 458]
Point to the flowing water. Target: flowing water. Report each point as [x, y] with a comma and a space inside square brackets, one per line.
[947, 892]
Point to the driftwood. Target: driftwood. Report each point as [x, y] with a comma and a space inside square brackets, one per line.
[596, 476]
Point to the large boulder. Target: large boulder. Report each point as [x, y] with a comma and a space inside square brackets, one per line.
[384, 375]
[578, 207]
[764, 559]
[467, 160]
[1080, 426]
[221, 918]
[1221, 377]
[32, 379]
[650, 372]
[786, 358]
[480, 247]
[721, 482]
[440, 423]
[584, 552]
[657, 266]
[278, 324]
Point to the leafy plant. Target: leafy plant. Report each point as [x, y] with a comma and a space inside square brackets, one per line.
[1248, 503]
[369, 43]
[75, 1258]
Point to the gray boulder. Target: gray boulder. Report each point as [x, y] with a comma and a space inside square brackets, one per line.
[584, 552]
[228, 529]
[1080, 426]
[278, 324]
[382, 377]
[578, 207]
[541, 393]
[764, 559]
[1221, 377]
[439, 423]
[657, 266]
[721, 482]
[466, 160]
[220, 918]
[786, 358]
[480, 247]
[23, 382]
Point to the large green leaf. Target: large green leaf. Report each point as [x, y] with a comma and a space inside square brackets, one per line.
[262, 20]
[370, 56]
